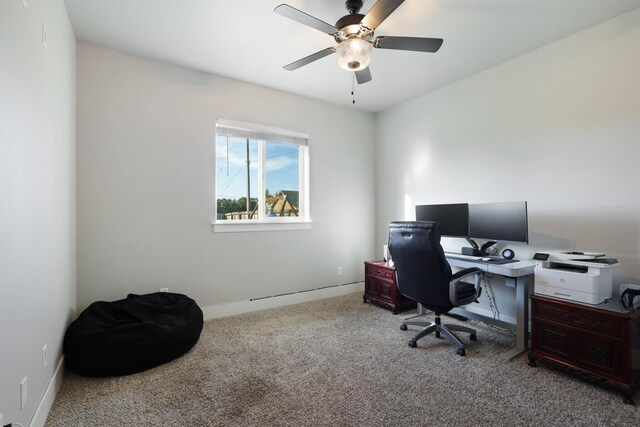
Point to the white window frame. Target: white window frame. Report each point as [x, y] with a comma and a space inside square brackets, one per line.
[262, 133]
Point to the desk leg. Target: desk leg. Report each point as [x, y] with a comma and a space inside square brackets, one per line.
[522, 317]
[413, 320]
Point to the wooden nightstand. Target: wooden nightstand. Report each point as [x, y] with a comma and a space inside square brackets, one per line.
[598, 342]
[380, 287]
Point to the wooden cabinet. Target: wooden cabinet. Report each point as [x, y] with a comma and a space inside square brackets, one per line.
[380, 287]
[599, 342]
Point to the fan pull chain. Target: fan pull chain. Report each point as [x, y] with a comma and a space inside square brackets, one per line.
[353, 89]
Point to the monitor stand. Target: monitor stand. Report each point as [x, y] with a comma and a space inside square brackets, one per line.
[486, 246]
[476, 250]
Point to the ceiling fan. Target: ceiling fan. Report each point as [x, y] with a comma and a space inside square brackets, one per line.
[354, 33]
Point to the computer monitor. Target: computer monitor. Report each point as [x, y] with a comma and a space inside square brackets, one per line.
[505, 221]
[453, 219]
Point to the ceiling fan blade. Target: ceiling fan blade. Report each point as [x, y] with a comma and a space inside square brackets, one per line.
[379, 12]
[305, 19]
[309, 59]
[363, 76]
[417, 44]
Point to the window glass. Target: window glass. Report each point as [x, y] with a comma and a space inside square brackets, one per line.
[282, 179]
[236, 178]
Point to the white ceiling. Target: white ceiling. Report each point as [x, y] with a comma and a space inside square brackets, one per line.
[246, 40]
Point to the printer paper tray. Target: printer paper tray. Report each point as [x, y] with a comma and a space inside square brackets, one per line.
[568, 294]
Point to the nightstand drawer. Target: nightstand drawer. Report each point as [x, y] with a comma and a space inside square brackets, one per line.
[582, 319]
[379, 272]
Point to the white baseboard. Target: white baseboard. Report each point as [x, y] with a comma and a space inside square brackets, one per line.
[42, 411]
[239, 307]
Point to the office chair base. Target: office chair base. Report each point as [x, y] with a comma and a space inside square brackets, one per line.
[417, 322]
[446, 330]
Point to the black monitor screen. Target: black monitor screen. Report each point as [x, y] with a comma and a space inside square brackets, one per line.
[453, 219]
[499, 221]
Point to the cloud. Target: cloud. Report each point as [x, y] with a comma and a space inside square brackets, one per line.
[278, 163]
[236, 157]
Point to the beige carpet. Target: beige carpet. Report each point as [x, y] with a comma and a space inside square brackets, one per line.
[338, 362]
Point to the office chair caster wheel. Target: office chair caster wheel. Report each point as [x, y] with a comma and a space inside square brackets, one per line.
[473, 337]
[403, 327]
[413, 344]
[461, 352]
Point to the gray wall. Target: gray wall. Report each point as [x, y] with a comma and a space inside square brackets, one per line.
[558, 127]
[37, 197]
[146, 185]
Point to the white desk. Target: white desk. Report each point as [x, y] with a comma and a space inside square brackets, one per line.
[518, 275]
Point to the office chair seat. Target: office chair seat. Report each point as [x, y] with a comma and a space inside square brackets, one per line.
[424, 275]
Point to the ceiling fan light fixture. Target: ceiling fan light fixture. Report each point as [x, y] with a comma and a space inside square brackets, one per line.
[354, 54]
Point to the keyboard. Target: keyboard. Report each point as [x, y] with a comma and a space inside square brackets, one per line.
[499, 261]
[481, 260]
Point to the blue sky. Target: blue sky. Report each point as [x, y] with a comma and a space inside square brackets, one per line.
[281, 164]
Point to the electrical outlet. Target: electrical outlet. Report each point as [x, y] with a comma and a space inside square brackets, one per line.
[44, 358]
[339, 271]
[23, 393]
[164, 289]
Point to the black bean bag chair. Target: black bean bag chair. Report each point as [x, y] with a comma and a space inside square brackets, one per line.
[131, 335]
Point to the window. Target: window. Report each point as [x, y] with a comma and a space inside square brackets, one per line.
[261, 177]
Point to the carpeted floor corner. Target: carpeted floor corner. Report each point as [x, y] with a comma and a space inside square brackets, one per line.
[338, 362]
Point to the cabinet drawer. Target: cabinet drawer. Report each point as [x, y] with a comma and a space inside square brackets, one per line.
[382, 273]
[601, 354]
[552, 339]
[596, 353]
[582, 319]
[381, 289]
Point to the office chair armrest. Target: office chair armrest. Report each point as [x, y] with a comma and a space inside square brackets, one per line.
[462, 293]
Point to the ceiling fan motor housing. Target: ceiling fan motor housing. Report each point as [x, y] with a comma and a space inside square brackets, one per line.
[349, 26]
[353, 6]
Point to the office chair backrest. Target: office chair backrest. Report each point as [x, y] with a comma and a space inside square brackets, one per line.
[422, 271]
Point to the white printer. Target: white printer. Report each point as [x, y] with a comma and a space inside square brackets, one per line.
[578, 276]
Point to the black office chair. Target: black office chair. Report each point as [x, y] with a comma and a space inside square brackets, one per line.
[424, 275]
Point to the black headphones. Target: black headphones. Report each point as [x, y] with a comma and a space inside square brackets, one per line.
[630, 299]
[508, 254]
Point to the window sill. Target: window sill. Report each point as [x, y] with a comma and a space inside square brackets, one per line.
[239, 227]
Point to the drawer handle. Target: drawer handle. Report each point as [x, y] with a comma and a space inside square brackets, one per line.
[574, 319]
